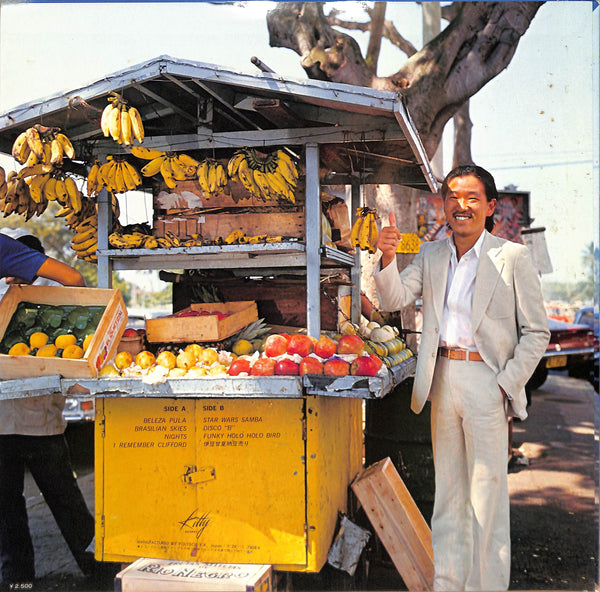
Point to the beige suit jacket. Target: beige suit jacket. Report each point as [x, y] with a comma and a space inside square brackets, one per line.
[510, 327]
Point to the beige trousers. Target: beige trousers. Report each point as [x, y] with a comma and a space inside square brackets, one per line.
[471, 516]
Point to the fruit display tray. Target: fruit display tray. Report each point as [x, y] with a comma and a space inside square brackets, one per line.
[101, 348]
[182, 328]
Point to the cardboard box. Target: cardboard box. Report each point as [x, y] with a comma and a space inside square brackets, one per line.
[188, 329]
[164, 575]
[102, 347]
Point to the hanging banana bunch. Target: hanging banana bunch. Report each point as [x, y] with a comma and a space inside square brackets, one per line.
[364, 233]
[84, 225]
[42, 145]
[121, 122]
[171, 165]
[212, 178]
[116, 174]
[273, 176]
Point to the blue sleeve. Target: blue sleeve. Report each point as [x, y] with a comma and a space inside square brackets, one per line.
[18, 260]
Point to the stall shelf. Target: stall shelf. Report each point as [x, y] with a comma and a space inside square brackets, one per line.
[268, 486]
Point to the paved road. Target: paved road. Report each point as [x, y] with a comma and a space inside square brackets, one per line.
[554, 522]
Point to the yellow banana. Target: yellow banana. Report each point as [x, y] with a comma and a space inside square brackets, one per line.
[166, 170]
[274, 239]
[137, 127]
[84, 245]
[280, 186]
[61, 192]
[373, 233]
[105, 118]
[212, 178]
[106, 172]
[202, 173]
[84, 236]
[73, 193]
[35, 142]
[130, 176]
[36, 187]
[36, 169]
[31, 158]
[146, 153]
[188, 161]
[247, 180]
[260, 179]
[49, 191]
[154, 166]
[221, 177]
[20, 148]
[286, 166]
[67, 146]
[234, 163]
[234, 236]
[56, 152]
[150, 242]
[363, 233]
[119, 180]
[114, 123]
[93, 180]
[126, 131]
[178, 169]
[360, 218]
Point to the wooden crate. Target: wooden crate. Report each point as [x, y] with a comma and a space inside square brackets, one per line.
[185, 211]
[397, 522]
[102, 347]
[187, 329]
[163, 575]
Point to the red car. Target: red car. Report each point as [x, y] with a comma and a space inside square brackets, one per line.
[571, 348]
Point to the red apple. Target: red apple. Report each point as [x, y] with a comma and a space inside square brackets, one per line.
[310, 365]
[300, 344]
[378, 361]
[263, 367]
[275, 345]
[238, 366]
[286, 367]
[350, 344]
[336, 367]
[364, 366]
[325, 347]
[130, 333]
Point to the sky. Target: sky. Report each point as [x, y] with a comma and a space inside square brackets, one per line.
[535, 125]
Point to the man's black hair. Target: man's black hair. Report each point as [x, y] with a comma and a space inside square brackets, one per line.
[32, 242]
[480, 173]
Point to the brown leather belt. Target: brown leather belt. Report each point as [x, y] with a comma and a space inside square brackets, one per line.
[455, 353]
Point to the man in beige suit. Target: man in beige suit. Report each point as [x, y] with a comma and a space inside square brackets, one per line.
[484, 332]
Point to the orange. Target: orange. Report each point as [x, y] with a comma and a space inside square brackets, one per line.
[19, 349]
[63, 341]
[87, 341]
[72, 352]
[47, 351]
[38, 339]
[123, 360]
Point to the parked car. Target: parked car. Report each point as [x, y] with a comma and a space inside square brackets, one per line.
[571, 348]
[588, 315]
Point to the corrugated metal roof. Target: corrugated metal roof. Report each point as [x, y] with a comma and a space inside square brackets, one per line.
[195, 107]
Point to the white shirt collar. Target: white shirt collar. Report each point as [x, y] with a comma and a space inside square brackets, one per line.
[475, 249]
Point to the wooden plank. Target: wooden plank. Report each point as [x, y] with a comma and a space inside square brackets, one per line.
[397, 522]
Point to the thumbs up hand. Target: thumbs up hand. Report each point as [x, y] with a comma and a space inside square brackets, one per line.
[388, 241]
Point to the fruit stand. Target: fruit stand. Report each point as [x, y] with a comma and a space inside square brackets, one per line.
[203, 463]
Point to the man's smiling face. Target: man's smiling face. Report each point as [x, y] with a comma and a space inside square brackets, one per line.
[466, 207]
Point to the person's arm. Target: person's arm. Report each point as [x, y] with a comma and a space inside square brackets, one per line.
[58, 271]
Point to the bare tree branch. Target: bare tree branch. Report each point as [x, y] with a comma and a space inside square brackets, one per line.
[377, 24]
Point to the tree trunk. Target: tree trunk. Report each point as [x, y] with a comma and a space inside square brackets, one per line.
[462, 136]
